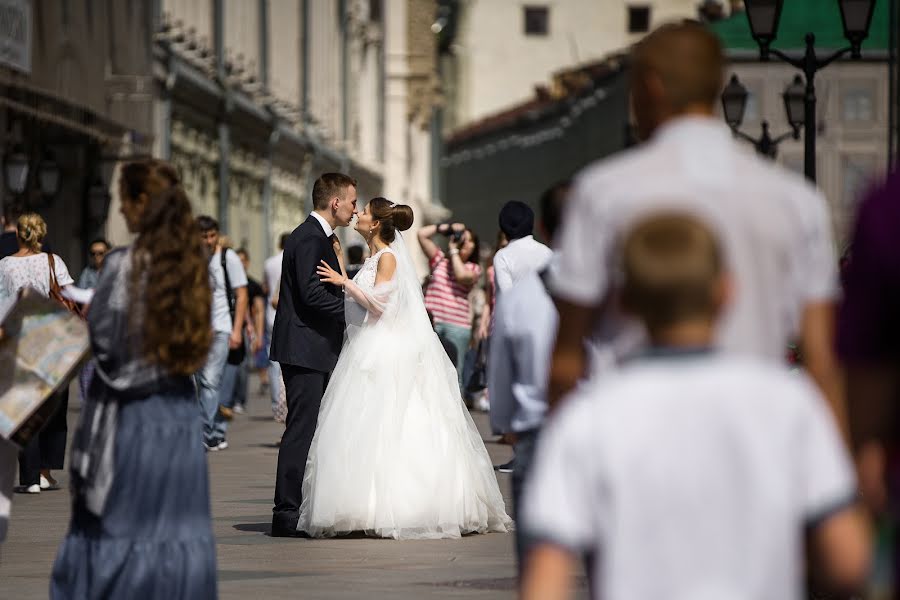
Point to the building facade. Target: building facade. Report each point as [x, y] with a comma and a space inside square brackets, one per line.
[580, 117]
[250, 99]
[502, 50]
[76, 93]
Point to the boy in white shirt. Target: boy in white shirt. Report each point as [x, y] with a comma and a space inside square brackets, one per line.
[691, 474]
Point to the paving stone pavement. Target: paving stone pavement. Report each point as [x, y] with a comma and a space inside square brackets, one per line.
[252, 564]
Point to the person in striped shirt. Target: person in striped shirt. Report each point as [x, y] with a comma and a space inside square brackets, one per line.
[452, 276]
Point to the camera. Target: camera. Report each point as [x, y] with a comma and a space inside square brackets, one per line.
[456, 236]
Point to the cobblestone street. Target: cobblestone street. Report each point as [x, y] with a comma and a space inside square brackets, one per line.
[254, 565]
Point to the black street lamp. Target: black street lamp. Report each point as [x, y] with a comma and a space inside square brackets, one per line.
[734, 102]
[48, 176]
[15, 170]
[763, 16]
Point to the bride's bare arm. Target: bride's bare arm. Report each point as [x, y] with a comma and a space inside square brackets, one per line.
[387, 265]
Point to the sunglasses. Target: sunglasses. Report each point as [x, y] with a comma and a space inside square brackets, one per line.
[101, 253]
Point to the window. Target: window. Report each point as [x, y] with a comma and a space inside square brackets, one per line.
[857, 172]
[537, 19]
[858, 104]
[375, 11]
[638, 19]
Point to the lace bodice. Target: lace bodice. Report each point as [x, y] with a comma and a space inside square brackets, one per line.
[365, 278]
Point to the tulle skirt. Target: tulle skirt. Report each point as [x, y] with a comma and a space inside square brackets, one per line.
[395, 453]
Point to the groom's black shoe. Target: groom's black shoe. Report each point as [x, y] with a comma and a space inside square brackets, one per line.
[286, 532]
[286, 527]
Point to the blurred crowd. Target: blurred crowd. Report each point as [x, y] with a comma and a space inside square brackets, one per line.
[635, 361]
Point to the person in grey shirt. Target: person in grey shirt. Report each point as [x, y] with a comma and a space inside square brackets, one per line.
[525, 325]
[98, 251]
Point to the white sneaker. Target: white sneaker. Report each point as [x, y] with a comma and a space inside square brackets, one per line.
[482, 403]
[239, 410]
[33, 489]
[45, 483]
[222, 445]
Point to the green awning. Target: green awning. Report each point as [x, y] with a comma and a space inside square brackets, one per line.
[799, 17]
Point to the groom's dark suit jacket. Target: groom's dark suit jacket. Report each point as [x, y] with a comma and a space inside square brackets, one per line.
[309, 321]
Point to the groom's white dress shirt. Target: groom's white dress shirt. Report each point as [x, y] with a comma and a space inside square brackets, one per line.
[773, 226]
[525, 322]
[520, 257]
[329, 231]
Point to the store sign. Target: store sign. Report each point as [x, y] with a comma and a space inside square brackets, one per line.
[15, 34]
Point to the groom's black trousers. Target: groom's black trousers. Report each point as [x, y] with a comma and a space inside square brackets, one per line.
[305, 389]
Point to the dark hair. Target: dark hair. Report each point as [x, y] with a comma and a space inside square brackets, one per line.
[207, 223]
[100, 241]
[170, 278]
[516, 220]
[329, 185]
[475, 257]
[552, 203]
[392, 217]
[12, 210]
[355, 254]
[671, 263]
[283, 240]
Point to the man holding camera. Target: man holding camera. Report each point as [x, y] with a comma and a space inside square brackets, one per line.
[452, 276]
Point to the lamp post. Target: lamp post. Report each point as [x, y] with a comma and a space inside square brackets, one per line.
[15, 170]
[734, 103]
[48, 176]
[763, 16]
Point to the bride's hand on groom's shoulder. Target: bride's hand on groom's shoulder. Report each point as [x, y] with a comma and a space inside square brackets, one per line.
[329, 275]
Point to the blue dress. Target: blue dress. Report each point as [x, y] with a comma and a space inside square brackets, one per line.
[141, 524]
[154, 538]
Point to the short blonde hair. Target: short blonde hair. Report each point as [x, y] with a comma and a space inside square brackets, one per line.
[671, 264]
[31, 230]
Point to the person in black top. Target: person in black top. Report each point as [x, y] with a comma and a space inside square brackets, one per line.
[254, 331]
[354, 260]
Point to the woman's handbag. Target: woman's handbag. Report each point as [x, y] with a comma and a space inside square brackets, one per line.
[56, 291]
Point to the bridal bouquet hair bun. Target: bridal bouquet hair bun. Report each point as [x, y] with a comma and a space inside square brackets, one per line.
[393, 217]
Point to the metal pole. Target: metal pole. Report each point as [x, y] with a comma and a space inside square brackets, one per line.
[267, 191]
[809, 109]
[224, 132]
[305, 58]
[264, 43]
[345, 70]
[893, 92]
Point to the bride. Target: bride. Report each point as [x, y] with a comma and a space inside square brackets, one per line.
[395, 453]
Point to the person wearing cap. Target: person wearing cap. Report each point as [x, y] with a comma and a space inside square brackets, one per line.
[523, 254]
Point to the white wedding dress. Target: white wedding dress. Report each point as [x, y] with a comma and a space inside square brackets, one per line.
[395, 453]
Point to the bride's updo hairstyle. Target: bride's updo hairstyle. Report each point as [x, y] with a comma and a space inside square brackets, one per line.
[391, 217]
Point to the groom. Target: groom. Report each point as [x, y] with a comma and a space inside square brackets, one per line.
[307, 335]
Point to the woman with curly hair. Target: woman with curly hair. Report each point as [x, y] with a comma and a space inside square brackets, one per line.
[141, 520]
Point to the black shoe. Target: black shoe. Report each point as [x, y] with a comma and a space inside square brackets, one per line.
[506, 468]
[286, 532]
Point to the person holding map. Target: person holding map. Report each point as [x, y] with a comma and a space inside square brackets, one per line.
[30, 267]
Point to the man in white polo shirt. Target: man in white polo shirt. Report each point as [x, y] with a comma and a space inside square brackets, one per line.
[773, 224]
